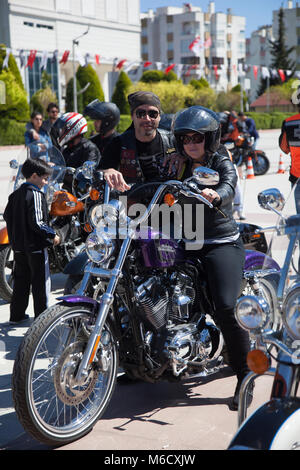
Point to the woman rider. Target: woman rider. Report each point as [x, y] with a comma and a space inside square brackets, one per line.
[197, 133]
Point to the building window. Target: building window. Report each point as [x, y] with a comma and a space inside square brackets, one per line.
[184, 45]
[27, 23]
[35, 75]
[63, 5]
[44, 26]
[88, 8]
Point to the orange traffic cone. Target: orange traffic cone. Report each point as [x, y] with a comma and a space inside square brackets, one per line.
[250, 171]
[281, 166]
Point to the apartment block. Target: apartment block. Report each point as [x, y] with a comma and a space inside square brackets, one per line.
[168, 33]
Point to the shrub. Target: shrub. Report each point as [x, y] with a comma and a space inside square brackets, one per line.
[12, 132]
[121, 92]
[40, 100]
[16, 105]
[87, 75]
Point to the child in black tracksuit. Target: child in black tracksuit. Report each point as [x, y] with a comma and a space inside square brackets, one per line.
[26, 216]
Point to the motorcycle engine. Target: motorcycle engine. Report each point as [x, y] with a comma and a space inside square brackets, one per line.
[163, 300]
[165, 304]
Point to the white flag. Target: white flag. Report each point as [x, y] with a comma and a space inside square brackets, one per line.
[265, 73]
[43, 64]
[5, 62]
[80, 58]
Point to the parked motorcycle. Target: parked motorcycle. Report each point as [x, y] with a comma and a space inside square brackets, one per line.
[243, 149]
[276, 424]
[66, 214]
[151, 313]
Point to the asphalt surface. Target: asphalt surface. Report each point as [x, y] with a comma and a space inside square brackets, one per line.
[165, 417]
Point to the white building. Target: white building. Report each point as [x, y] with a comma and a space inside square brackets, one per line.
[258, 54]
[168, 32]
[49, 25]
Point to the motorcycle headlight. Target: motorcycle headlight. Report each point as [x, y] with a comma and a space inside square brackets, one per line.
[99, 247]
[252, 313]
[291, 312]
[110, 213]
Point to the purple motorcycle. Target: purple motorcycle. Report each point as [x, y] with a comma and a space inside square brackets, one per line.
[149, 311]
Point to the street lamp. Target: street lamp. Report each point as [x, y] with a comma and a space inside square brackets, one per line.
[75, 42]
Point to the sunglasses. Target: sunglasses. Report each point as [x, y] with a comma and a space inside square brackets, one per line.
[195, 139]
[142, 113]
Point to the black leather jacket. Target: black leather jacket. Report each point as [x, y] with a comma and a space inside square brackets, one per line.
[216, 226]
[78, 154]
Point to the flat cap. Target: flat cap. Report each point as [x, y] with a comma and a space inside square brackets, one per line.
[143, 97]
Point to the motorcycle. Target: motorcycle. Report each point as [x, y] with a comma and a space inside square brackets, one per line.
[243, 149]
[274, 425]
[151, 313]
[66, 214]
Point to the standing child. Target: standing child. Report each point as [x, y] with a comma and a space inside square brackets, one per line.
[26, 216]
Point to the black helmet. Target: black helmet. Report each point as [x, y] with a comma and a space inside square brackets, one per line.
[198, 119]
[166, 121]
[108, 113]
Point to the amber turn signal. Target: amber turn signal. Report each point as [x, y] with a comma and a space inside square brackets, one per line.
[258, 361]
[94, 194]
[169, 199]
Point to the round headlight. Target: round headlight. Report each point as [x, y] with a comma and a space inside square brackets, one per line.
[95, 215]
[109, 214]
[252, 313]
[99, 248]
[291, 312]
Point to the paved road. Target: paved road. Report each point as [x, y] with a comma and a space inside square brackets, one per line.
[191, 415]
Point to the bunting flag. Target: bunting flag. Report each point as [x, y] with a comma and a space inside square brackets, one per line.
[136, 67]
[80, 58]
[188, 6]
[5, 62]
[65, 57]
[31, 58]
[54, 56]
[281, 74]
[169, 68]
[43, 64]
[22, 58]
[120, 64]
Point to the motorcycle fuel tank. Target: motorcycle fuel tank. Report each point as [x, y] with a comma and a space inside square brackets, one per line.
[65, 203]
[159, 251]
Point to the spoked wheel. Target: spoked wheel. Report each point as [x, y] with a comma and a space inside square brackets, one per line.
[260, 163]
[50, 404]
[6, 272]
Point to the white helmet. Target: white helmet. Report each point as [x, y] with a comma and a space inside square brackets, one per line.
[70, 125]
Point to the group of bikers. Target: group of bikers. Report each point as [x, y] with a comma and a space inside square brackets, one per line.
[145, 153]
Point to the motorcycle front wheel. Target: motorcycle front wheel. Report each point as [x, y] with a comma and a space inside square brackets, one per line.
[50, 404]
[261, 163]
[6, 272]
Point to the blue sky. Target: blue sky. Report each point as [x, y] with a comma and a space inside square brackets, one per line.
[257, 12]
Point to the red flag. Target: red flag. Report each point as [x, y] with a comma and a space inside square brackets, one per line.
[31, 58]
[65, 57]
[97, 58]
[216, 71]
[282, 75]
[147, 63]
[120, 64]
[169, 68]
[255, 70]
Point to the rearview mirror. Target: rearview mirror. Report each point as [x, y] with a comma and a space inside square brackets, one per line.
[271, 199]
[206, 176]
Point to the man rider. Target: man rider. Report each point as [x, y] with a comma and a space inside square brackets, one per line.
[76, 149]
[106, 117]
[140, 153]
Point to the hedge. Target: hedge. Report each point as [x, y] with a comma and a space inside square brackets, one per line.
[12, 132]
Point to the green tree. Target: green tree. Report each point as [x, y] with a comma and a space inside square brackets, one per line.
[121, 92]
[41, 98]
[16, 105]
[87, 75]
[280, 55]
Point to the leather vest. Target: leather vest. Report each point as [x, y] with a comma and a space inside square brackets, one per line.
[130, 165]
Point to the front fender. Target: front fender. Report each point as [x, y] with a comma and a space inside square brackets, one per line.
[257, 260]
[273, 426]
[74, 299]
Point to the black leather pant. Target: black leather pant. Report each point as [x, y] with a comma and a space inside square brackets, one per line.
[223, 264]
